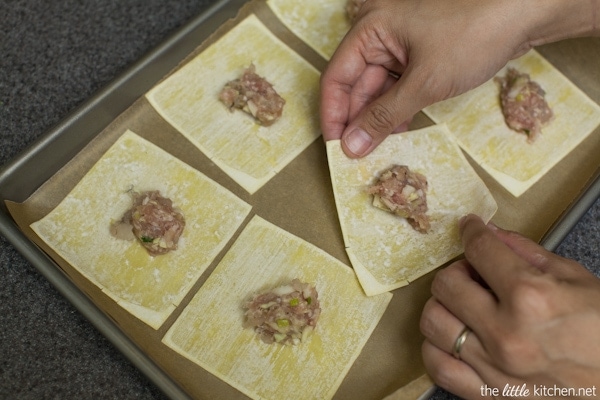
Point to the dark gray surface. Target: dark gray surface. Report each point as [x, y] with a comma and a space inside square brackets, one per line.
[53, 56]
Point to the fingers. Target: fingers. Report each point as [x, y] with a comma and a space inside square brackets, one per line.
[441, 330]
[345, 94]
[499, 266]
[508, 323]
[439, 326]
[474, 369]
[403, 127]
[337, 81]
[451, 374]
[359, 95]
[379, 118]
[538, 256]
[335, 105]
[372, 82]
[458, 291]
[503, 258]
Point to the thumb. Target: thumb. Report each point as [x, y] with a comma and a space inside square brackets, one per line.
[387, 114]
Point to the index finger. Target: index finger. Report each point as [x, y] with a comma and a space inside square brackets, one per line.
[337, 81]
[498, 265]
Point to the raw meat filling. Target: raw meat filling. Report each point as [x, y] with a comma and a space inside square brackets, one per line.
[523, 104]
[153, 221]
[403, 192]
[254, 95]
[285, 315]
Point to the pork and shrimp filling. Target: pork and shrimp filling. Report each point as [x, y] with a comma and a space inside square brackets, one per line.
[153, 221]
[524, 104]
[254, 95]
[404, 193]
[285, 315]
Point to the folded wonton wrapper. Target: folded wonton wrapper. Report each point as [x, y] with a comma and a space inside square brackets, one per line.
[210, 330]
[476, 121]
[150, 288]
[385, 251]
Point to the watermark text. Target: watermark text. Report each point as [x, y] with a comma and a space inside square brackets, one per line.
[536, 391]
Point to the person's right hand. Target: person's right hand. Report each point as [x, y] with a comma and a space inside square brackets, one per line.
[439, 49]
[533, 319]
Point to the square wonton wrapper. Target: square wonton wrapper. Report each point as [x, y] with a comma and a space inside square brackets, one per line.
[319, 23]
[475, 118]
[148, 287]
[209, 331]
[247, 151]
[385, 251]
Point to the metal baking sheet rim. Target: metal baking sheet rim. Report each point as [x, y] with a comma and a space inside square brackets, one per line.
[98, 112]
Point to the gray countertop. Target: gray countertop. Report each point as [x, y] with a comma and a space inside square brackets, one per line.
[53, 56]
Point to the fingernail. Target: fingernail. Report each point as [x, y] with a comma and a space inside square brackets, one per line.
[462, 220]
[402, 127]
[358, 141]
[493, 227]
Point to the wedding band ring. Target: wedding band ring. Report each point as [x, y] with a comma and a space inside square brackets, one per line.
[460, 341]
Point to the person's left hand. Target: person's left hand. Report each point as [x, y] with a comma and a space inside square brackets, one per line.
[533, 316]
[401, 56]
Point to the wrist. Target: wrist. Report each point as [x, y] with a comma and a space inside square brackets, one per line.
[554, 20]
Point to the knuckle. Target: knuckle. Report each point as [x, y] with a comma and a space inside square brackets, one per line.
[443, 281]
[433, 85]
[380, 118]
[477, 244]
[426, 326]
[531, 299]
[439, 283]
[427, 323]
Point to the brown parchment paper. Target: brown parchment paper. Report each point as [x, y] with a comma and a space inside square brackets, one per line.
[300, 200]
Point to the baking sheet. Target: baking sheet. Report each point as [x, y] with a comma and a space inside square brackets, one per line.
[391, 358]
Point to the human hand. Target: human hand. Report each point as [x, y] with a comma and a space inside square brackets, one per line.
[534, 319]
[439, 49]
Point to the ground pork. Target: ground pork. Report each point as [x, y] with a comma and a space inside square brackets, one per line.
[153, 221]
[403, 192]
[523, 104]
[285, 315]
[254, 95]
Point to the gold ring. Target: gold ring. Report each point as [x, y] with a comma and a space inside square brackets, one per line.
[460, 341]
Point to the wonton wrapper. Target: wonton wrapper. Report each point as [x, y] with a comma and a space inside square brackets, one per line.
[148, 287]
[319, 23]
[247, 151]
[475, 119]
[385, 251]
[209, 331]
